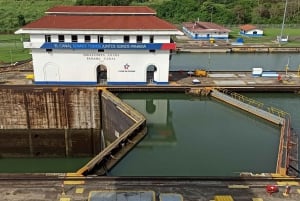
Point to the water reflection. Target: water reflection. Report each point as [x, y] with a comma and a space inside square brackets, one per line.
[196, 136]
[159, 121]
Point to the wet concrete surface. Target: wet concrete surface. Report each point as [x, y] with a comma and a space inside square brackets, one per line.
[290, 80]
[191, 189]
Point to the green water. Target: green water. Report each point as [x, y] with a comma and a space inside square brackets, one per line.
[189, 136]
[203, 137]
[41, 165]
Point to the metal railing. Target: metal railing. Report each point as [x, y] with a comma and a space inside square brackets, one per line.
[287, 147]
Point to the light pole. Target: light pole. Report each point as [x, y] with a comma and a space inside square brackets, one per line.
[10, 57]
[283, 21]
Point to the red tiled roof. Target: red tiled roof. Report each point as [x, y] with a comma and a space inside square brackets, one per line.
[91, 22]
[204, 27]
[102, 9]
[247, 27]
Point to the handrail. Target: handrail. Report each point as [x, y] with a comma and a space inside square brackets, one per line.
[255, 103]
[285, 142]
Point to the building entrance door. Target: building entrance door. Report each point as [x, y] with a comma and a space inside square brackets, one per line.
[151, 69]
[101, 74]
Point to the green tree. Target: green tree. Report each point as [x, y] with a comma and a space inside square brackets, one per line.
[104, 2]
[21, 20]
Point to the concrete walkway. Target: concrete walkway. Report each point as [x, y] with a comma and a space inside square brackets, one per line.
[191, 189]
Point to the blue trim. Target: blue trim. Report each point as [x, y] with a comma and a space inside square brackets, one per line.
[140, 46]
[195, 36]
[64, 83]
[251, 35]
[135, 83]
[162, 83]
[94, 83]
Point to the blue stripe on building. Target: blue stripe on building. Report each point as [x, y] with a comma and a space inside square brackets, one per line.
[141, 46]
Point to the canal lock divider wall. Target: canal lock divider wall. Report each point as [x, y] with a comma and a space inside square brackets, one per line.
[67, 122]
[287, 159]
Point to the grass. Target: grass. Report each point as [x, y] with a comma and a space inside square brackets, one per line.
[30, 9]
[270, 35]
[11, 48]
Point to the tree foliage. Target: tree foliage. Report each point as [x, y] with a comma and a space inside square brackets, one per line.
[230, 11]
[104, 2]
[14, 13]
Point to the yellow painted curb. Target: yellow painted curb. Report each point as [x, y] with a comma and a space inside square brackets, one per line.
[289, 183]
[73, 182]
[238, 186]
[65, 199]
[79, 190]
[257, 199]
[74, 175]
[223, 198]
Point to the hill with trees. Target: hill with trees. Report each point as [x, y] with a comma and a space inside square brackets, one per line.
[16, 13]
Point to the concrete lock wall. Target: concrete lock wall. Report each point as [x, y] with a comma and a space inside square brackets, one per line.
[39, 121]
[56, 121]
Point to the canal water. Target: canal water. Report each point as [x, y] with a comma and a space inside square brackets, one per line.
[195, 136]
[235, 62]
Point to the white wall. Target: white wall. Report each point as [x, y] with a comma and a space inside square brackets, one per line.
[106, 38]
[37, 38]
[80, 65]
[258, 31]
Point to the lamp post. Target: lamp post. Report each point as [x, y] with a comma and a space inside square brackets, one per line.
[287, 67]
[282, 26]
[10, 57]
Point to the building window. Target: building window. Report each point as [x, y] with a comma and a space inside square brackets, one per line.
[74, 38]
[126, 39]
[61, 38]
[100, 39]
[87, 38]
[151, 39]
[48, 38]
[139, 39]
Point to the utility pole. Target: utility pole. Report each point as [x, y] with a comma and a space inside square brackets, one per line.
[10, 57]
[283, 21]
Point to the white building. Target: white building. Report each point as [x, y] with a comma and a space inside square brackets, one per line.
[205, 31]
[251, 31]
[100, 44]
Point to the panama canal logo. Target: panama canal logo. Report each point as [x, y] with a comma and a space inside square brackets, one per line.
[126, 68]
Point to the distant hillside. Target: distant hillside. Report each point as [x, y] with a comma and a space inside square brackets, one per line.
[15, 13]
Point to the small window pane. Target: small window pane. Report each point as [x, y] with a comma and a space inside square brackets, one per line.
[100, 39]
[139, 39]
[61, 38]
[47, 38]
[87, 38]
[126, 39]
[151, 39]
[74, 38]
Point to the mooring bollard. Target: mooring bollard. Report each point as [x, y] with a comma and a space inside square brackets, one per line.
[287, 190]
